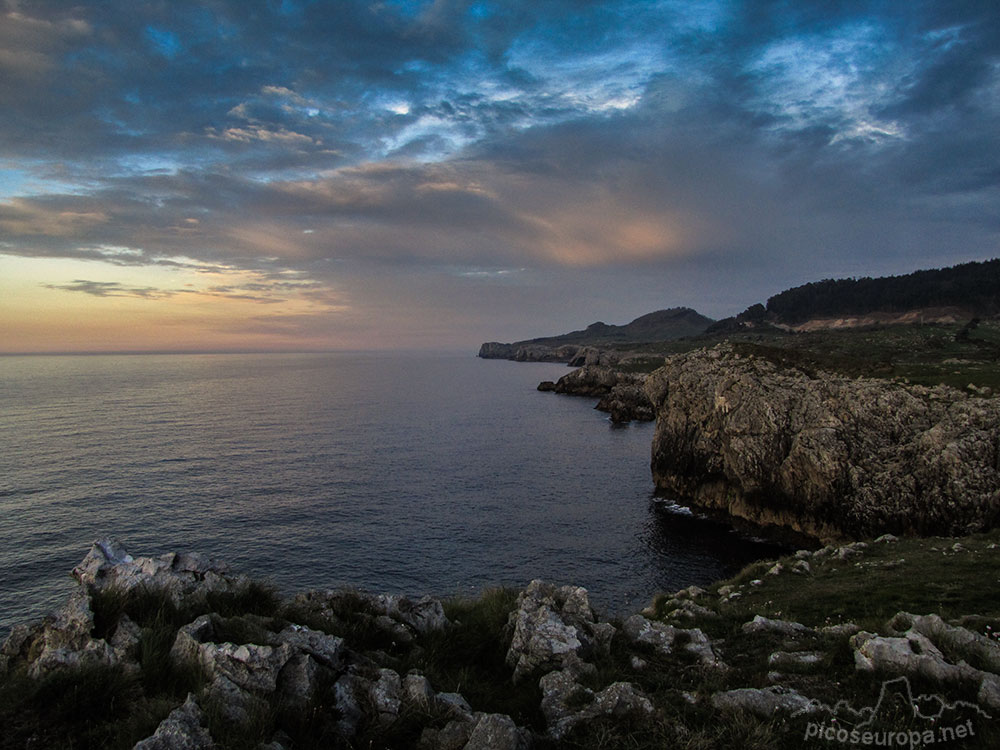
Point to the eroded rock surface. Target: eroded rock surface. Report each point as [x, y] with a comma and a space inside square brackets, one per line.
[551, 625]
[825, 455]
[588, 671]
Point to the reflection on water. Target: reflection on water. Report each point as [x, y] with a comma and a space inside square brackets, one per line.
[414, 473]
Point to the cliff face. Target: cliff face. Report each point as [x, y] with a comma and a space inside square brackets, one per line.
[520, 352]
[824, 455]
[622, 394]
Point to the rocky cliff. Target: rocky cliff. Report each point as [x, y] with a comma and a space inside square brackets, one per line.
[621, 394]
[829, 456]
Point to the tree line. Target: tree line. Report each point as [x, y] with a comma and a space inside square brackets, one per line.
[972, 286]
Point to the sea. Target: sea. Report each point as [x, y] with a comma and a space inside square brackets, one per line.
[409, 473]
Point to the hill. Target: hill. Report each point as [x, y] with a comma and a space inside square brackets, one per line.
[964, 291]
[662, 325]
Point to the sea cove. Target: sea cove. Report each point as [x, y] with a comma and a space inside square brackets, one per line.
[409, 473]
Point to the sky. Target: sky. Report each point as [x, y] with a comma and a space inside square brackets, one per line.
[232, 175]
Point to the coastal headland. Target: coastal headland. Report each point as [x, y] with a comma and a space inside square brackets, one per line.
[835, 411]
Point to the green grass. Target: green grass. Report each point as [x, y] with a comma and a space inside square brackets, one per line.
[919, 575]
[927, 354]
[348, 616]
[469, 658]
[88, 707]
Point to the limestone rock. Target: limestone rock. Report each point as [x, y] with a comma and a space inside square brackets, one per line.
[627, 402]
[347, 690]
[496, 732]
[386, 695]
[234, 703]
[452, 736]
[328, 650]
[546, 625]
[989, 692]
[971, 646]
[454, 704]
[765, 702]
[183, 729]
[66, 640]
[840, 630]
[620, 699]
[250, 666]
[561, 696]
[826, 455]
[796, 661]
[425, 615]
[18, 645]
[298, 679]
[915, 655]
[589, 380]
[662, 637]
[685, 609]
[566, 704]
[108, 564]
[760, 624]
[127, 636]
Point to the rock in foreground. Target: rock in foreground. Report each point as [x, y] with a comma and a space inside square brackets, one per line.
[143, 656]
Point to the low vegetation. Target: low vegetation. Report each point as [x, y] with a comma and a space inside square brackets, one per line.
[958, 355]
[867, 586]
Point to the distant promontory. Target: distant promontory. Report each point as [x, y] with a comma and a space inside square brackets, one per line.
[662, 325]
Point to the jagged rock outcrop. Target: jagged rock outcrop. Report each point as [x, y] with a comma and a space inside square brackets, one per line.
[562, 697]
[590, 380]
[822, 454]
[622, 394]
[183, 729]
[552, 627]
[627, 402]
[662, 637]
[590, 674]
[109, 565]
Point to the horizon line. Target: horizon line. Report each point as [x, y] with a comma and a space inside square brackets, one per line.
[172, 352]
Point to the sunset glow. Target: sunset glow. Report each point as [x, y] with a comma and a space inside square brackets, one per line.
[427, 175]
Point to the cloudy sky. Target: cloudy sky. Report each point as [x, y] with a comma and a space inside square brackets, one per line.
[287, 174]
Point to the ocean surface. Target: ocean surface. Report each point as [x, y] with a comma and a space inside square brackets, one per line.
[409, 473]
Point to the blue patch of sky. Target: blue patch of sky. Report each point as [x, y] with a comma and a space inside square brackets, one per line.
[164, 41]
[13, 182]
[149, 164]
[408, 9]
[481, 11]
[24, 182]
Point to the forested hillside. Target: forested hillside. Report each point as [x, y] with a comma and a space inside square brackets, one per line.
[971, 286]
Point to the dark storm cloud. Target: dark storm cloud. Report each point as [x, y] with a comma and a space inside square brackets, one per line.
[754, 143]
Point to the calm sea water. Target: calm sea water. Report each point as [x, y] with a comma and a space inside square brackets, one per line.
[416, 474]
